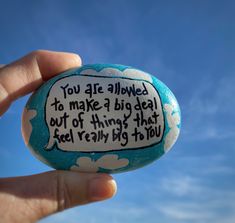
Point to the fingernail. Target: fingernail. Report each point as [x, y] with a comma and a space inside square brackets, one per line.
[77, 59]
[101, 188]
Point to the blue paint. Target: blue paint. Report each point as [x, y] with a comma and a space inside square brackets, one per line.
[59, 159]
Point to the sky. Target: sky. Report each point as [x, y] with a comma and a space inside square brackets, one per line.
[189, 45]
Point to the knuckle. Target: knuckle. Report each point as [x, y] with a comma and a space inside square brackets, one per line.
[63, 193]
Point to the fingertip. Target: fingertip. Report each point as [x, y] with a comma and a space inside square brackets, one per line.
[69, 59]
[101, 187]
[51, 63]
[77, 59]
[28, 73]
[55, 191]
[84, 188]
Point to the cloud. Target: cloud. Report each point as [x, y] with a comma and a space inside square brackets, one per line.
[217, 207]
[26, 124]
[130, 73]
[173, 120]
[109, 162]
[208, 131]
[181, 185]
[217, 163]
[198, 201]
[208, 113]
[186, 212]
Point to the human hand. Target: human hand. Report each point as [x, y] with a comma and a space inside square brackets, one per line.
[30, 198]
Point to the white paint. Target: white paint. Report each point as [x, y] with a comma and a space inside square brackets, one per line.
[109, 162]
[81, 144]
[129, 72]
[26, 124]
[173, 120]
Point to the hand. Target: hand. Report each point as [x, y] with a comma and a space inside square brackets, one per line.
[27, 199]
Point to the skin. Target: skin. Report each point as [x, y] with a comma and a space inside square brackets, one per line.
[30, 198]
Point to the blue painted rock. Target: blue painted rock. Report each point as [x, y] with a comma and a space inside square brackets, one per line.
[101, 118]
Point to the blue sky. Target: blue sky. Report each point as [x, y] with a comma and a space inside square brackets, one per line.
[190, 46]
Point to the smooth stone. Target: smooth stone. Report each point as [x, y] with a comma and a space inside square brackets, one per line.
[101, 118]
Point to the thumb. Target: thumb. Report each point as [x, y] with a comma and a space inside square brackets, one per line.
[27, 199]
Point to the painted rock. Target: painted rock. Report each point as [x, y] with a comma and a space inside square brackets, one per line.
[101, 118]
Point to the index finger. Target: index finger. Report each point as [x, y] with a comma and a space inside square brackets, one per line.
[28, 73]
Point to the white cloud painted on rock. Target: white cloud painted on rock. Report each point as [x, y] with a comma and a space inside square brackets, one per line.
[109, 162]
[129, 73]
[28, 115]
[173, 119]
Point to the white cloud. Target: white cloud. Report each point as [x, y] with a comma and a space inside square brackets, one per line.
[211, 103]
[130, 73]
[109, 162]
[181, 185]
[186, 212]
[206, 132]
[26, 124]
[173, 119]
[208, 209]
[197, 201]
